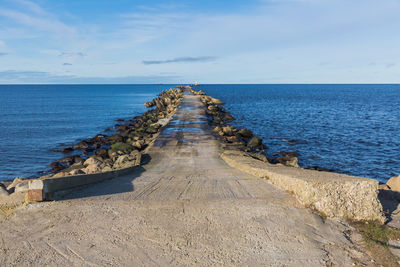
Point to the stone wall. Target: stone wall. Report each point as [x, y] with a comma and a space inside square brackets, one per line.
[331, 194]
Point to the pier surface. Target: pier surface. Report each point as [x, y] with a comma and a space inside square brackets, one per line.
[185, 207]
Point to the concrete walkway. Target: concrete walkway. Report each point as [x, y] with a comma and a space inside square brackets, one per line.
[185, 207]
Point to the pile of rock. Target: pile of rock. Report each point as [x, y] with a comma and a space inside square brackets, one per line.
[239, 139]
[121, 150]
[231, 137]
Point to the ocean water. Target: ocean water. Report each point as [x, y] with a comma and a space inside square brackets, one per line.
[35, 119]
[352, 129]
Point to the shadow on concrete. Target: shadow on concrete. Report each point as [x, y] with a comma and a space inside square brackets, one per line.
[122, 184]
[390, 202]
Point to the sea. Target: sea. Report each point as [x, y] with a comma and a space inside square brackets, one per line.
[348, 128]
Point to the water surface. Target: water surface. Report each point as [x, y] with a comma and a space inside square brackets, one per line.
[37, 118]
[353, 129]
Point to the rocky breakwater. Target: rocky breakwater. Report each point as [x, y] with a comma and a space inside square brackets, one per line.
[243, 139]
[102, 153]
[331, 194]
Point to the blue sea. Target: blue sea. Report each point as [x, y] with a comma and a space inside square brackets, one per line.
[352, 129]
[35, 119]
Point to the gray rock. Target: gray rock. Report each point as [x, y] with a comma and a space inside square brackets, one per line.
[228, 130]
[254, 142]
[3, 191]
[22, 187]
[15, 182]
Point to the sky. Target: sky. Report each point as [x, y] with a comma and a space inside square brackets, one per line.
[253, 41]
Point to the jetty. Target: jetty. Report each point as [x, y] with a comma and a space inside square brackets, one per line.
[186, 205]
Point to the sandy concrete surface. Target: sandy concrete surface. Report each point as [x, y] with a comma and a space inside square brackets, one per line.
[185, 207]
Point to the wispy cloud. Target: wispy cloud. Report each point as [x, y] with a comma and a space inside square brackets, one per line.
[69, 54]
[67, 64]
[390, 65]
[14, 76]
[180, 60]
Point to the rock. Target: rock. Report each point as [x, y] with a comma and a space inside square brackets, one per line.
[123, 127]
[139, 145]
[22, 187]
[67, 161]
[245, 133]
[289, 161]
[63, 150]
[289, 154]
[81, 145]
[92, 160]
[212, 108]
[76, 172]
[125, 161]
[383, 187]
[217, 129]
[60, 174]
[229, 117]
[124, 147]
[320, 169]
[232, 139]
[116, 138]
[216, 101]
[15, 182]
[3, 191]
[394, 183]
[102, 153]
[92, 168]
[259, 156]
[106, 169]
[151, 130]
[228, 130]
[56, 166]
[254, 142]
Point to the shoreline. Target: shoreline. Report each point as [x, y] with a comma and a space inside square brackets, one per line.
[102, 153]
[191, 177]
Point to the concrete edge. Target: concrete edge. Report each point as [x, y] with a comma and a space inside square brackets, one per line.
[331, 194]
[52, 188]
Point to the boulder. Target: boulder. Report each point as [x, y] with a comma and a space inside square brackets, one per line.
[394, 183]
[216, 101]
[126, 161]
[56, 166]
[3, 191]
[139, 145]
[124, 147]
[289, 161]
[60, 174]
[92, 160]
[15, 182]
[70, 160]
[76, 172]
[116, 138]
[81, 145]
[383, 187]
[22, 187]
[228, 130]
[106, 169]
[152, 130]
[63, 150]
[254, 142]
[229, 117]
[92, 168]
[245, 133]
[232, 139]
[102, 153]
[217, 129]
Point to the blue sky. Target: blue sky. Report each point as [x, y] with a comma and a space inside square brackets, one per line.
[254, 41]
